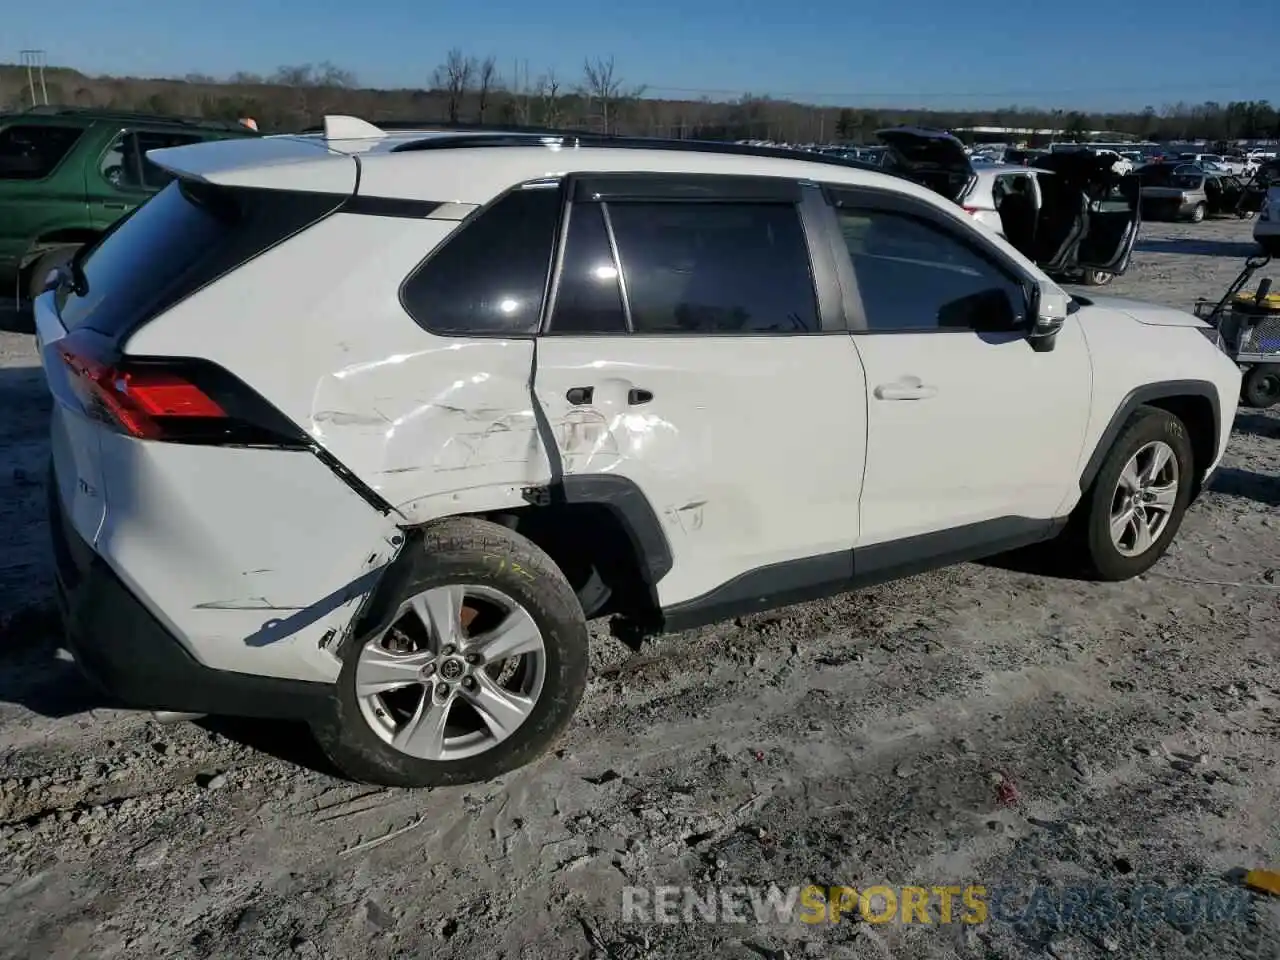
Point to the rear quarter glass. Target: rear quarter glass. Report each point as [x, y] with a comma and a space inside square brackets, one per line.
[187, 236]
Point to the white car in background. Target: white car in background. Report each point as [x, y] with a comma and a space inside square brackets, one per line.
[1040, 210]
[1120, 164]
[1266, 226]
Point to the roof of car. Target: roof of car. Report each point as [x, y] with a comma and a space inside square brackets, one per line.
[63, 114]
[424, 164]
[999, 168]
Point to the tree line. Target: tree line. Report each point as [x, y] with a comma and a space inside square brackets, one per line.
[471, 89]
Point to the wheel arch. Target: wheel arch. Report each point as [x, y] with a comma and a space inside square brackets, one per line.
[1195, 402]
[602, 519]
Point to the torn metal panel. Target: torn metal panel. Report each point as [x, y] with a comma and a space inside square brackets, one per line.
[442, 430]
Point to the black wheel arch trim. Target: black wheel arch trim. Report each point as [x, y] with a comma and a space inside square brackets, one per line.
[621, 495]
[1139, 397]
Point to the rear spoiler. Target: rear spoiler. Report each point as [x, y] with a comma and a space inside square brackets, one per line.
[304, 164]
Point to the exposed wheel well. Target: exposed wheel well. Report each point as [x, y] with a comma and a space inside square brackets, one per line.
[597, 554]
[1198, 415]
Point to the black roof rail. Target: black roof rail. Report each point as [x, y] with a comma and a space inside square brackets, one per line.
[109, 113]
[502, 138]
[433, 126]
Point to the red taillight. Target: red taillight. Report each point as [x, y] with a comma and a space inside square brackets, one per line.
[133, 399]
[972, 211]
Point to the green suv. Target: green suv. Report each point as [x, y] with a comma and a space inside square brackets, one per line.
[68, 174]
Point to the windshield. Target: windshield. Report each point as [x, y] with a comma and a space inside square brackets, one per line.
[1186, 181]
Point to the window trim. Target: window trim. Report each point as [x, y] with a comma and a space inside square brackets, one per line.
[545, 326]
[845, 196]
[803, 197]
[552, 268]
[139, 158]
[84, 130]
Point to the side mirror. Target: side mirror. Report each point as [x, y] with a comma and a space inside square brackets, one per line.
[1048, 306]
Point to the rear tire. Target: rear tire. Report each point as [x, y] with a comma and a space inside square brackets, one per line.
[1261, 387]
[40, 270]
[482, 574]
[1198, 213]
[1145, 510]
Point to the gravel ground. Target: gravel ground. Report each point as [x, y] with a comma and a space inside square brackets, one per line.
[978, 725]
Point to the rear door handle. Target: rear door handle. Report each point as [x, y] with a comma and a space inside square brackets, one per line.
[115, 206]
[637, 396]
[580, 396]
[905, 391]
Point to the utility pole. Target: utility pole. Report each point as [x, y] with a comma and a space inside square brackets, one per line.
[34, 61]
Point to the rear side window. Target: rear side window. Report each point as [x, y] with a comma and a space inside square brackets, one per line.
[183, 238]
[125, 164]
[489, 278]
[32, 151]
[714, 268]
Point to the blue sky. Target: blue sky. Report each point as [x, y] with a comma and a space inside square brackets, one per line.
[1096, 54]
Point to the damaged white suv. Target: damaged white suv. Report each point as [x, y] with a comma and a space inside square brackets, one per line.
[360, 427]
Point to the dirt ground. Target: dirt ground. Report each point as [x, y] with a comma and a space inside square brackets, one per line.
[978, 725]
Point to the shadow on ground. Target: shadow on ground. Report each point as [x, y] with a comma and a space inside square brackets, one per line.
[1258, 425]
[1195, 247]
[291, 742]
[15, 318]
[1260, 487]
[32, 672]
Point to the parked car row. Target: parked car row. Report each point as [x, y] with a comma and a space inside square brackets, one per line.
[1072, 213]
[67, 175]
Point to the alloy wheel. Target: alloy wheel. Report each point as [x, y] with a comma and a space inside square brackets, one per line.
[459, 671]
[1144, 498]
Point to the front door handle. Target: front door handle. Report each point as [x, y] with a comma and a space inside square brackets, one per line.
[115, 206]
[637, 396]
[580, 396]
[905, 391]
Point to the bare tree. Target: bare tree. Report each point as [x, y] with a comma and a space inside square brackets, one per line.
[301, 75]
[331, 75]
[454, 77]
[603, 91]
[548, 92]
[486, 80]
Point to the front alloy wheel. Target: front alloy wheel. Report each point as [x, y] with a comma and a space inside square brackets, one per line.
[1132, 510]
[1144, 498]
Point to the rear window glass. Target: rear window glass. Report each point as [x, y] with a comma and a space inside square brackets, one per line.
[32, 151]
[134, 265]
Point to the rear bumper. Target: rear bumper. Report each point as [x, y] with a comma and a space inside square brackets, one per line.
[119, 645]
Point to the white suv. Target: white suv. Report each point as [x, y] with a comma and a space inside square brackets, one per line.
[361, 427]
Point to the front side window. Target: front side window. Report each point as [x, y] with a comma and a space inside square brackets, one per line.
[490, 277]
[714, 267]
[915, 276]
[32, 151]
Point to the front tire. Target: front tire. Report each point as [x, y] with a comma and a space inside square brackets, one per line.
[1261, 387]
[479, 674]
[1097, 278]
[1134, 508]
